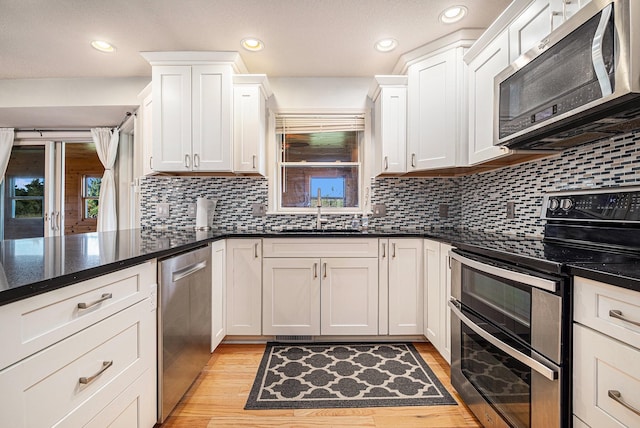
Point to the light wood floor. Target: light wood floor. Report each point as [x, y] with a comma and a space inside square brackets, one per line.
[218, 396]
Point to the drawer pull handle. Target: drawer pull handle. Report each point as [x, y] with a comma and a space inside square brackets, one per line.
[87, 380]
[315, 270]
[324, 270]
[393, 254]
[255, 251]
[105, 296]
[614, 313]
[384, 250]
[617, 397]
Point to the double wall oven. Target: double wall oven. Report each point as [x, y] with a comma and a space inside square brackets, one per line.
[512, 311]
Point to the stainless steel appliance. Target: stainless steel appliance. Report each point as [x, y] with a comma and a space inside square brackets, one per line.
[580, 84]
[184, 324]
[511, 305]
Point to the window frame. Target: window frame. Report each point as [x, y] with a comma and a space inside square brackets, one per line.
[275, 177]
[84, 198]
[13, 197]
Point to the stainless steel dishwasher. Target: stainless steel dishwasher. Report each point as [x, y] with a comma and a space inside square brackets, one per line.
[184, 324]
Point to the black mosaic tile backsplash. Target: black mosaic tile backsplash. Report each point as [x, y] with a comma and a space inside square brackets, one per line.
[475, 202]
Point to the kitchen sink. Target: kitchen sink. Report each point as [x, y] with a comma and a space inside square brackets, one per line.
[320, 231]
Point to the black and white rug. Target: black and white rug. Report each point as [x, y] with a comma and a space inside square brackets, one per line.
[344, 375]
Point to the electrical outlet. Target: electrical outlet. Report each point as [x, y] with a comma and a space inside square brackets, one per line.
[379, 210]
[258, 210]
[191, 210]
[443, 210]
[162, 210]
[511, 209]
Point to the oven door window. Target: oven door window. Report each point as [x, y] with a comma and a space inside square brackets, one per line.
[502, 380]
[504, 302]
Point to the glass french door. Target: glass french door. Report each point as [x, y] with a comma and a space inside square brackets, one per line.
[33, 191]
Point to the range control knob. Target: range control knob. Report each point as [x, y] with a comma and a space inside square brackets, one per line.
[554, 204]
[566, 204]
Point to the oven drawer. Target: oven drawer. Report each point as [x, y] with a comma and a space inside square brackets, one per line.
[612, 310]
[605, 370]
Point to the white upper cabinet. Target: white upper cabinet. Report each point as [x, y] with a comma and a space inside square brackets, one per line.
[482, 69]
[250, 94]
[437, 112]
[389, 94]
[537, 21]
[192, 110]
[144, 142]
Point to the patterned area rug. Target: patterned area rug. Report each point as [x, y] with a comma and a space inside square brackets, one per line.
[344, 375]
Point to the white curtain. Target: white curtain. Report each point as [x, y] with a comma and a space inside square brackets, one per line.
[6, 142]
[106, 141]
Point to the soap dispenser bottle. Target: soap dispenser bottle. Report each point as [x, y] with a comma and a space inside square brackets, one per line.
[355, 222]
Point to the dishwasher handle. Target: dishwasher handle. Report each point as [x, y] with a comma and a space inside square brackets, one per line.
[187, 271]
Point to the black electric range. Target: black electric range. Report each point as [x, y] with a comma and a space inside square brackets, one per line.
[593, 229]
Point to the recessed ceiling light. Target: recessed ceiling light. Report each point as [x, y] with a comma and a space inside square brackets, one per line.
[103, 46]
[386, 45]
[252, 44]
[453, 14]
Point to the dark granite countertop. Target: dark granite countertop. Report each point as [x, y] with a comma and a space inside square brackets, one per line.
[32, 266]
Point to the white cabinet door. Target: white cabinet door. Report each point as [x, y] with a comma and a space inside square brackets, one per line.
[390, 134]
[482, 69]
[171, 118]
[192, 118]
[143, 137]
[249, 128]
[433, 293]
[291, 296]
[434, 88]
[244, 286]
[218, 295]
[211, 118]
[437, 316]
[445, 313]
[530, 27]
[405, 286]
[349, 296]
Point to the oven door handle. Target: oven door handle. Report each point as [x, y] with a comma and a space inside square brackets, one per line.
[545, 371]
[522, 278]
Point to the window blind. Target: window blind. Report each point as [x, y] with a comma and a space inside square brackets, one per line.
[307, 124]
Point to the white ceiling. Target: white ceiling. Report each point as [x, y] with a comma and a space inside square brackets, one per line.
[313, 38]
[50, 38]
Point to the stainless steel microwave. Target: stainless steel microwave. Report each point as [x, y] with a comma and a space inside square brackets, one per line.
[579, 84]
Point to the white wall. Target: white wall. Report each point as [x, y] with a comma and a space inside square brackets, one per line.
[319, 94]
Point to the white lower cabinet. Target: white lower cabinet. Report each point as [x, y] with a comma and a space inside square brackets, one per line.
[321, 295]
[244, 286]
[72, 381]
[218, 293]
[349, 296]
[437, 319]
[606, 349]
[291, 296]
[405, 284]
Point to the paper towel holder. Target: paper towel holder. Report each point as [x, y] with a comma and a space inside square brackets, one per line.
[210, 212]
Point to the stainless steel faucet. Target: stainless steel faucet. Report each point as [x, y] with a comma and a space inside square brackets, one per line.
[319, 218]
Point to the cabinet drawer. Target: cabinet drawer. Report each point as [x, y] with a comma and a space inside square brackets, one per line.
[320, 247]
[602, 365]
[596, 305]
[134, 408]
[45, 319]
[48, 388]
